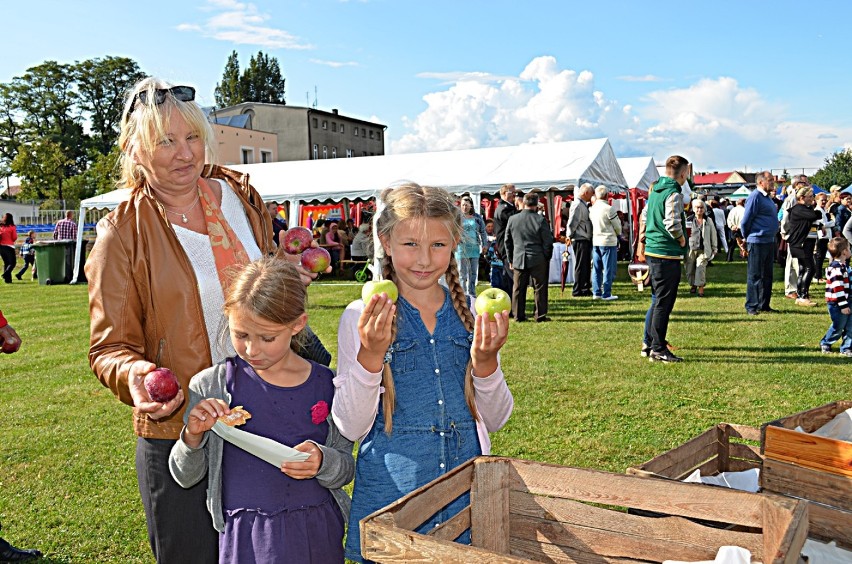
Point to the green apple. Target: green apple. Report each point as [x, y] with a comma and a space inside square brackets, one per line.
[374, 287]
[491, 301]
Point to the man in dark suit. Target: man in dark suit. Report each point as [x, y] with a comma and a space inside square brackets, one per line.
[529, 246]
[578, 233]
[505, 209]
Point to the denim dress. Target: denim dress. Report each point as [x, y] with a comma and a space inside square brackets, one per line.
[433, 430]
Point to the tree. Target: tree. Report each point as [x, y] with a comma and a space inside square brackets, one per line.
[261, 81]
[10, 129]
[42, 167]
[99, 178]
[230, 91]
[101, 87]
[837, 170]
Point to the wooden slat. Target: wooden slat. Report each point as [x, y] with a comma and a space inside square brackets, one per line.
[811, 451]
[615, 534]
[382, 543]
[663, 463]
[747, 452]
[489, 500]
[414, 509]
[828, 523]
[745, 432]
[453, 527]
[798, 481]
[539, 552]
[664, 496]
[785, 529]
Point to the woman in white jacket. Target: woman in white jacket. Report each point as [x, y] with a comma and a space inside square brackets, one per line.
[703, 246]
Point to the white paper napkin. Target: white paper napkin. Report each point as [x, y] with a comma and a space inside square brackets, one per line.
[266, 449]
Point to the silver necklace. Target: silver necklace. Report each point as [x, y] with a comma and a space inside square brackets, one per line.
[183, 213]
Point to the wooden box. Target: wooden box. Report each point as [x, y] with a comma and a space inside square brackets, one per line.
[523, 511]
[725, 447]
[813, 468]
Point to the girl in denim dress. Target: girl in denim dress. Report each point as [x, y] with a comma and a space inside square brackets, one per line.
[433, 364]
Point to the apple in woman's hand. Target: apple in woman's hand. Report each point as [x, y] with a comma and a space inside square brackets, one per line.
[492, 301]
[316, 259]
[161, 385]
[374, 287]
[296, 240]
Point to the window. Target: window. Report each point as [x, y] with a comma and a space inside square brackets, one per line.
[316, 151]
[324, 124]
[341, 128]
[356, 132]
[315, 122]
[349, 154]
[363, 132]
[334, 152]
[334, 127]
[266, 156]
[371, 134]
[248, 156]
[379, 135]
[324, 152]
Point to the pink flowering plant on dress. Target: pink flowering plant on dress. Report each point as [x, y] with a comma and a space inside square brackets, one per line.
[319, 412]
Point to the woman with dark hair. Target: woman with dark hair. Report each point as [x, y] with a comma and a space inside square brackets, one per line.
[8, 236]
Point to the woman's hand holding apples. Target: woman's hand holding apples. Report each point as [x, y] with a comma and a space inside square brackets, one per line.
[489, 336]
[141, 400]
[307, 469]
[375, 327]
[201, 419]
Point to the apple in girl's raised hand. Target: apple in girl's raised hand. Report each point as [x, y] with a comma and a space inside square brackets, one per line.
[492, 301]
[161, 385]
[296, 240]
[374, 287]
[316, 259]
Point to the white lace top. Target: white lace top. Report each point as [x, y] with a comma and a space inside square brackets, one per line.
[197, 247]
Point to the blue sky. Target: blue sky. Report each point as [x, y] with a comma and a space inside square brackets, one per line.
[729, 84]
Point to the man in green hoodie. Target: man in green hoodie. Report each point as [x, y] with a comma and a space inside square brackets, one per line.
[665, 246]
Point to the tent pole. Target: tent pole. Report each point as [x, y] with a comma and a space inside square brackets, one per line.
[80, 226]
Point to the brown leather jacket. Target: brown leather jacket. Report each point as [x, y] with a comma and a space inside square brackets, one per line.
[143, 297]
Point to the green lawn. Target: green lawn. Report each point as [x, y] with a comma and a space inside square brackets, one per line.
[583, 397]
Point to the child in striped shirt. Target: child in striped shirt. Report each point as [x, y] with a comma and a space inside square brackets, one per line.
[837, 298]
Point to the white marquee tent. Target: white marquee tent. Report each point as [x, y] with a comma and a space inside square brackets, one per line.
[529, 167]
[639, 172]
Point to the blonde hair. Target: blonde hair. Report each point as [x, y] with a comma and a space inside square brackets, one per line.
[147, 125]
[413, 202]
[268, 288]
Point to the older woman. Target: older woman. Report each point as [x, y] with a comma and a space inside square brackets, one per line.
[703, 246]
[156, 279]
[804, 222]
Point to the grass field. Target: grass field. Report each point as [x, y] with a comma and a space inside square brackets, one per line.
[583, 397]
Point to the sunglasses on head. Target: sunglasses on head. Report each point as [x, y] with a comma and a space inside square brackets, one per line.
[182, 93]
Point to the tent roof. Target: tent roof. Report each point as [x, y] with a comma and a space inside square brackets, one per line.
[531, 166]
[539, 166]
[639, 172]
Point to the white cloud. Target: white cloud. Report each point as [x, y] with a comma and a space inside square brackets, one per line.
[242, 24]
[716, 123]
[333, 64]
[642, 78]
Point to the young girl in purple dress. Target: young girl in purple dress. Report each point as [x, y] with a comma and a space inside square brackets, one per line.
[266, 514]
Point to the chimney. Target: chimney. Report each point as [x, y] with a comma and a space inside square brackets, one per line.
[334, 111]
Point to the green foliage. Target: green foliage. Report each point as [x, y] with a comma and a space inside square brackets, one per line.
[261, 81]
[101, 87]
[99, 178]
[837, 170]
[42, 113]
[583, 397]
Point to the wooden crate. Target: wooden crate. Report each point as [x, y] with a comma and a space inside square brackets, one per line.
[726, 447]
[522, 511]
[813, 468]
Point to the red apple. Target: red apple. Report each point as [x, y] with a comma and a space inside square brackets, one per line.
[316, 259]
[8, 347]
[297, 240]
[161, 384]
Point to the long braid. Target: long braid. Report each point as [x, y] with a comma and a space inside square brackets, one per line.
[462, 307]
[389, 396]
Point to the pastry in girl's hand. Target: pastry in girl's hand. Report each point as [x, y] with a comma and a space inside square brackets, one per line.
[238, 416]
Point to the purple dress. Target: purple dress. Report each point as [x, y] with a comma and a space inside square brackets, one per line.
[269, 516]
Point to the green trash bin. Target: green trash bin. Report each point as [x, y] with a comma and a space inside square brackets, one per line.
[51, 262]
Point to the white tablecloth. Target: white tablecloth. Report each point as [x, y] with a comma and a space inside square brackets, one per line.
[555, 275]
